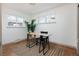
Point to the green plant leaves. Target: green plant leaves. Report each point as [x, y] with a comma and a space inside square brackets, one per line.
[31, 27]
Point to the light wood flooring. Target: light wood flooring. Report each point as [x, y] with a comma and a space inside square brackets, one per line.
[8, 49]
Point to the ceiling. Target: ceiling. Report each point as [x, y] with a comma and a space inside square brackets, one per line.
[31, 8]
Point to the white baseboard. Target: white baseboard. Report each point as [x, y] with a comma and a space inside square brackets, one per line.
[18, 40]
[64, 45]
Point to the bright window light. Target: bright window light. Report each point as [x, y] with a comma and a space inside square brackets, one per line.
[11, 18]
[16, 21]
[42, 20]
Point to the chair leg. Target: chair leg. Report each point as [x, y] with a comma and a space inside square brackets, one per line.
[39, 47]
[43, 48]
[48, 43]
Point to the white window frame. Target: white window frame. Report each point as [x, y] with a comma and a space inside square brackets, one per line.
[16, 23]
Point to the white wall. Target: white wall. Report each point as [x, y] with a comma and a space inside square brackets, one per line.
[11, 34]
[65, 30]
[78, 23]
[0, 26]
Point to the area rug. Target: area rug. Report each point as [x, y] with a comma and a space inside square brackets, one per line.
[34, 51]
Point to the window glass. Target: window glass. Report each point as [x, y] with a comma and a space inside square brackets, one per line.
[11, 18]
[16, 21]
[20, 19]
[42, 19]
[50, 19]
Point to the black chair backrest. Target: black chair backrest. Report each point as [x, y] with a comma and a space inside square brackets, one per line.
[44, 32]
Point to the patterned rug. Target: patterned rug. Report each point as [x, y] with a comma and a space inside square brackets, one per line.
[34, 51]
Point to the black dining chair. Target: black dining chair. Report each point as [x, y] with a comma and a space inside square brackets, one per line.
[44, 42]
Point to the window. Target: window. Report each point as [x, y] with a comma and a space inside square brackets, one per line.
[42, 20]
[16, 21]
[46, 19]
[20, 22]
[12, 18]
[11, 21]
[51, 19]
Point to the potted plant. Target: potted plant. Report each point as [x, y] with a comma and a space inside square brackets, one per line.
[31, 26]
[28, 26]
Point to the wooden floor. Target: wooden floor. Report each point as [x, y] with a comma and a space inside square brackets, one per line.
[7, 49]
[0, 51]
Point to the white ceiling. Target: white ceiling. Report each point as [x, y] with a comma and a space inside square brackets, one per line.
[31, 9]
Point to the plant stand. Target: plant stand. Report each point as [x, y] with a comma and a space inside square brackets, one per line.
[31, 40]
